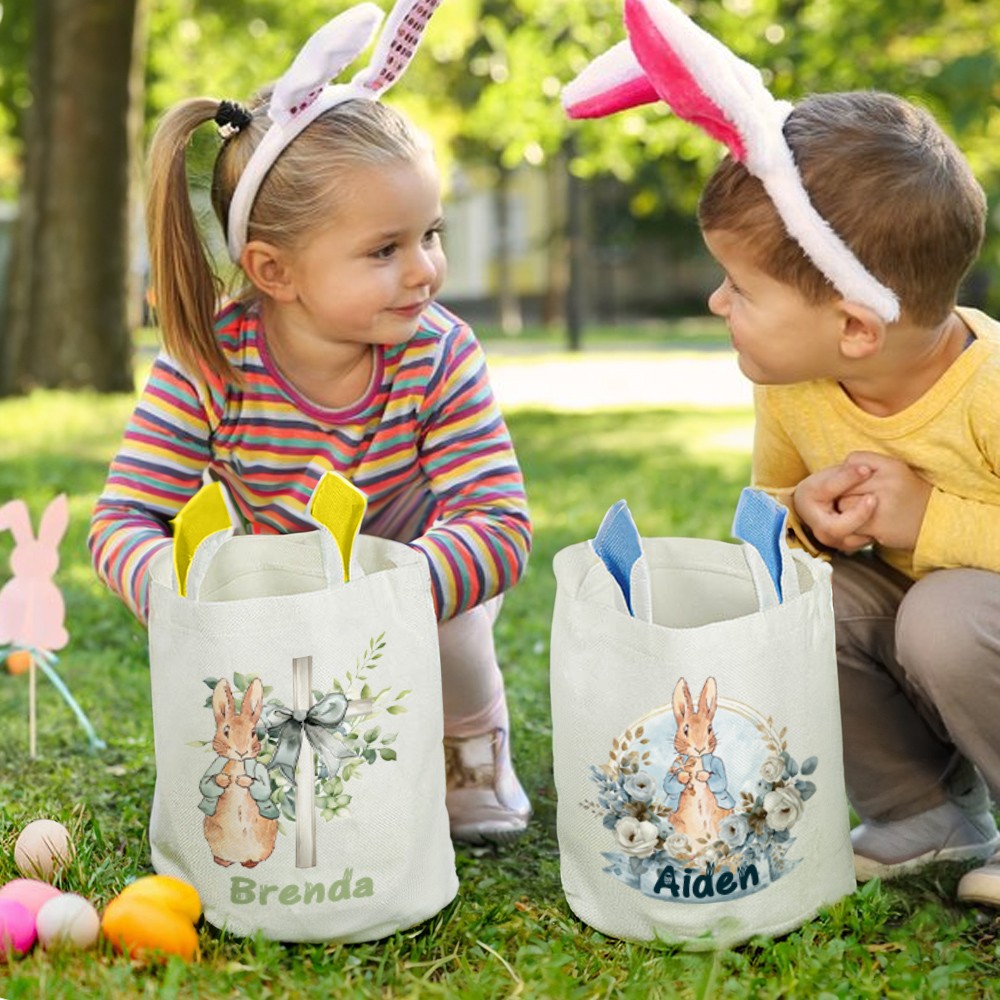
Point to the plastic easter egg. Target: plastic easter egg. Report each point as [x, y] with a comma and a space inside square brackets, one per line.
[42, 849]
[31, 893]
[141, 929]
[17, 928]
[166, 891]
[19, 661]
[68, 921]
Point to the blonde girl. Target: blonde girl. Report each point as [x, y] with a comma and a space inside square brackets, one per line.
[335, 356]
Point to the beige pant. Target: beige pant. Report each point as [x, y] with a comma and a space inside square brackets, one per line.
[919, 667]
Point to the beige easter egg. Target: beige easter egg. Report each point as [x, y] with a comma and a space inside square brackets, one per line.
[42, 849]
[68, 921]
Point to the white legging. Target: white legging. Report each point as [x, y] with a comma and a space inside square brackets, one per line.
[471, 682]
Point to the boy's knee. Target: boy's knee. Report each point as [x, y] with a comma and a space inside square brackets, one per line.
[936, 628]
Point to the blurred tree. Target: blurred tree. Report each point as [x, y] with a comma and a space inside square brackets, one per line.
[65, 321]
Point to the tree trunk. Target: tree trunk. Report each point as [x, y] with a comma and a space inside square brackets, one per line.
[511, 320]
[66, 316]
[575, 238]
[556, 246]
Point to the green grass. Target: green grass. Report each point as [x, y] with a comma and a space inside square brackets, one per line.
[509, 932]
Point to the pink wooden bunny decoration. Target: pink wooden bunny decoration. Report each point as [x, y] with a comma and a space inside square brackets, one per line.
[668, 57]
[31, 606]
[32, 609]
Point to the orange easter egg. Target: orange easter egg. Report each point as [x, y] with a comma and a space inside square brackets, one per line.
[166, 891]
[19, 662]
[141, 929]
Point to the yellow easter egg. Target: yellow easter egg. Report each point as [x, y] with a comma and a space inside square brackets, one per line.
[43, 849]
[166, 891]
[141, 929]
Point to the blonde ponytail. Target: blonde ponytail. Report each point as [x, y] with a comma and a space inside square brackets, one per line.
[186, 288]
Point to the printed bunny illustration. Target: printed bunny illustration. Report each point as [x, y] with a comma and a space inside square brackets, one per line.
[241, 821]
[696, 781]
[31, 606]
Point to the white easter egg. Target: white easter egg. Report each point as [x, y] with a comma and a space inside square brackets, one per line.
[42, 849]
[68, 920]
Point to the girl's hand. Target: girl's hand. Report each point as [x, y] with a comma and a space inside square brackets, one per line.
[817, 500]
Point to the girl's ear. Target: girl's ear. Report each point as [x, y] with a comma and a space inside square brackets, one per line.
[862, 331]
[267, 268]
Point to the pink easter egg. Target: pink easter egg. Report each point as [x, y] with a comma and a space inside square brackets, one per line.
[31, 893]
[17, 928]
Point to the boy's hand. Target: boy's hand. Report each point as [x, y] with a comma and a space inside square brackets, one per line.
[817, 501]
[901, 497]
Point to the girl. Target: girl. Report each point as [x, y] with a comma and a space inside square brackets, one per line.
[335, 357]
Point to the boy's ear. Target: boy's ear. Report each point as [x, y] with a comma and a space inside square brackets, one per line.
[266, 267]
[862, 331]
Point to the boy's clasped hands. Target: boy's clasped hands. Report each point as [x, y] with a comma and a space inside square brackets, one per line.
[868, 498]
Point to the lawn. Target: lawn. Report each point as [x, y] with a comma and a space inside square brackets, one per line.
[509, 932]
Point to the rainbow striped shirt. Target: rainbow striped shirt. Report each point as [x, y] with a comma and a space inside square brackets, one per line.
[426, 443]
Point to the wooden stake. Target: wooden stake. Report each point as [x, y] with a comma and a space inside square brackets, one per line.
[305, 774]
[32, 723]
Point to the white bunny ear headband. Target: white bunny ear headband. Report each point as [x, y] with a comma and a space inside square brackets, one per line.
[304, 92]
[668, 57]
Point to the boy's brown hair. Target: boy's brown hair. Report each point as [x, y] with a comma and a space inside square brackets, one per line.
[889, 182]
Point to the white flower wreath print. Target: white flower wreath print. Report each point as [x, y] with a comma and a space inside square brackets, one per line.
[341, 723]
[701, 800]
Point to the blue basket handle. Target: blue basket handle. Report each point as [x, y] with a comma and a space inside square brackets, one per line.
[762, 522]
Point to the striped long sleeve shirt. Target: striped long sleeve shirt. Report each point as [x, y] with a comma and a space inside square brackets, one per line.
[426, 443]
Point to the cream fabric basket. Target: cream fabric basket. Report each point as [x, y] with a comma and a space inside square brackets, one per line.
[698, 755]
[297, 719]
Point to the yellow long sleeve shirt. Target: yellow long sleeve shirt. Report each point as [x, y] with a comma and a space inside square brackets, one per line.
[950, 436]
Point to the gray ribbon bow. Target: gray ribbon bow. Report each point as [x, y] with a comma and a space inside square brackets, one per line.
[320, 724]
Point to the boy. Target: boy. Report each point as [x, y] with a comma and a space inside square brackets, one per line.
[882, 440]
[845, 226]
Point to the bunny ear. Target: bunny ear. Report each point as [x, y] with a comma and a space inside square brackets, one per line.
[253, 700]
[14, 515]
[614, 81]
[682, 699]
[701, 80]
[397, 44]
[223, 704]
[55, 520]
[708, 698]
[336, 45]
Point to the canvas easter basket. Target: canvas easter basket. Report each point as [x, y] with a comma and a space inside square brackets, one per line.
[696, 734]
[300, 782]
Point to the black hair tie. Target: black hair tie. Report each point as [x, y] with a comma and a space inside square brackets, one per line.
[231, 118]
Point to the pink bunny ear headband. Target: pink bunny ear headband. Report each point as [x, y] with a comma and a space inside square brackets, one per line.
[668, 57]
[304, 92]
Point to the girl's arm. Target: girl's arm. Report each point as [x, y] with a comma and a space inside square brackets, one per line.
[479, 543]
[158, 468]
